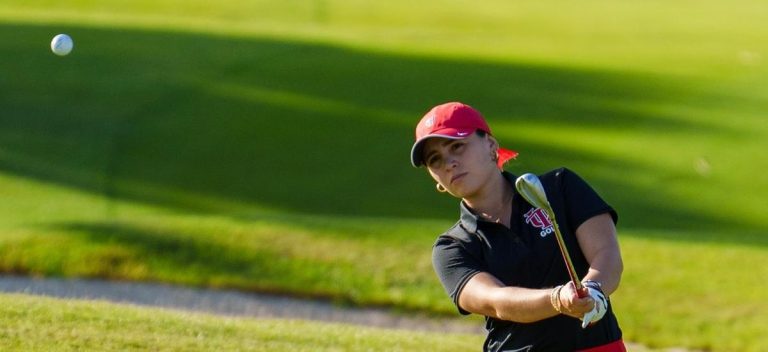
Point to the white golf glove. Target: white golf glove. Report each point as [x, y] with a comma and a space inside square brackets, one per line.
[601, 304]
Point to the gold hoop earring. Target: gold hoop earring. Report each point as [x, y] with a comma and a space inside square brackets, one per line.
[440, 188]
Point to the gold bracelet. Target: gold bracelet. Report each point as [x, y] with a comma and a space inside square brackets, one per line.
[554, 298]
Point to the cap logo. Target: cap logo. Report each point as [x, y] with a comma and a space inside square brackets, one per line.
[462, 134]
[429, 121]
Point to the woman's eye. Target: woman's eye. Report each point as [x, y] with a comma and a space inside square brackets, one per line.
[433, 161]
[457, 146]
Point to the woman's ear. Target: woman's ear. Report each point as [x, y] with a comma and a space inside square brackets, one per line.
[493, 144]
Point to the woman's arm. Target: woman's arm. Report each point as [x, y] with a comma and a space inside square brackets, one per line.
[597, 239]
[484, 294]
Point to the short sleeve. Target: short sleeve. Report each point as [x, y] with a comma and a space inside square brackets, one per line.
[581, 200]
[455, 264]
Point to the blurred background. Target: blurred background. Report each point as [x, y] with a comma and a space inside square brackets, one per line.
[263, 145]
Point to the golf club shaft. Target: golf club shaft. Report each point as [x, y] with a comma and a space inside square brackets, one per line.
[529, 186]
[564, 252]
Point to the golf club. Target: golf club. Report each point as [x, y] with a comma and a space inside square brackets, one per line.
[530, 187]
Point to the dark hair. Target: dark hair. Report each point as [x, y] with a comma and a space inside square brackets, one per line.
[480, 133]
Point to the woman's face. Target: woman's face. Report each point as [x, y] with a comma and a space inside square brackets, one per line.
[462, 166]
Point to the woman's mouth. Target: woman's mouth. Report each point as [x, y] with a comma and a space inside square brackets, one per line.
[456, 177]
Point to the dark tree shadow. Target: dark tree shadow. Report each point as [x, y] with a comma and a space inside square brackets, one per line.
[244, 125]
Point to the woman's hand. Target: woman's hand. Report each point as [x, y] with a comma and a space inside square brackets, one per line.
[571, 304]
[601, 304]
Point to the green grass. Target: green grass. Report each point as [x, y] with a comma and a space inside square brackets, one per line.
[677, 293]
[263, 146]
[43, 324]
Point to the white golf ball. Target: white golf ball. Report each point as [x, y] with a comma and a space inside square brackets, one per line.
[61, 44]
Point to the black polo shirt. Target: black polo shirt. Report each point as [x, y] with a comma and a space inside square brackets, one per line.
[527, 255]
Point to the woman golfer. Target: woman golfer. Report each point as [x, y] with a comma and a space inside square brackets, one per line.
[501, 259]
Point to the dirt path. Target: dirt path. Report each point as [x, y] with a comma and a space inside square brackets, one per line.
[228, 302]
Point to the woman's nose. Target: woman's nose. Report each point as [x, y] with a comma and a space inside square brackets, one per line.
[452, 162]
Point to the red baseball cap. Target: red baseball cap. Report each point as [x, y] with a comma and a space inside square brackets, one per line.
[454, 121]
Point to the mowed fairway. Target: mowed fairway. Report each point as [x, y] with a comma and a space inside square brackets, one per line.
[265, 147]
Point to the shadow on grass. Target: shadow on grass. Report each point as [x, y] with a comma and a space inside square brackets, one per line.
[189, 120]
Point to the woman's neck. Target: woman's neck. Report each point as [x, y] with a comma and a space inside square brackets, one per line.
[494, 202]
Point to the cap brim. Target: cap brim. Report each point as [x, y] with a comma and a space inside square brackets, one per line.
[417, 155]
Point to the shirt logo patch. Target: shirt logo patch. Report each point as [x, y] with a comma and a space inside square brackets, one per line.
[539, 219]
